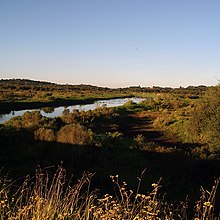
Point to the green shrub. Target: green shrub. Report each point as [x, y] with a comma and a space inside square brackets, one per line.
[27, 120]
[204, 125]
[74, 134]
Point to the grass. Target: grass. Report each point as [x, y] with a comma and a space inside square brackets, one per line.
[48, 198]
[125, 140]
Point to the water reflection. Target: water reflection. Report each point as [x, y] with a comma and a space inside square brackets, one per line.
[54, 112]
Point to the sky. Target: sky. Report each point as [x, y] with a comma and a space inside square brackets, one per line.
[111, 43]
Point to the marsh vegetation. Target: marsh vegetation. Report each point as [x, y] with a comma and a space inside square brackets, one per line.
[173, 134]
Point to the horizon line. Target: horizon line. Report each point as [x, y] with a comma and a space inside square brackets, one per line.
[86, 84]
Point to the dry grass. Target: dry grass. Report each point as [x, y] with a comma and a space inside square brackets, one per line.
[47, 199]
[43, 198]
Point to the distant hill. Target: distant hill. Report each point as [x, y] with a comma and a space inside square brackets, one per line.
[25, 84]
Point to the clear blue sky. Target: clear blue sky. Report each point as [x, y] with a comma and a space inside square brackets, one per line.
[114, 43]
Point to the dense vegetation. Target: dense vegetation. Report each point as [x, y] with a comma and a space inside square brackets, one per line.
[173, 134]
[23, 93]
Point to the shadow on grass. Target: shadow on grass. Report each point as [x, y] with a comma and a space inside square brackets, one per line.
[181, 176]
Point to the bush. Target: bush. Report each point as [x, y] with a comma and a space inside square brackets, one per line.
[29, 119]
[204, 125]
[44, 134]
[74, 134]
[70, 118]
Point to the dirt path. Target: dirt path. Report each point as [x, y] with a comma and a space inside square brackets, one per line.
[139, 123]
[142, 123]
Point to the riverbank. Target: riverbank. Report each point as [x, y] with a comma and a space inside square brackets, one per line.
[7, 107]
[52, 112]
[18, 94]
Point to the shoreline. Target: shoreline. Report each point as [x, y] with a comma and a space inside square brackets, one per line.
[7, 107]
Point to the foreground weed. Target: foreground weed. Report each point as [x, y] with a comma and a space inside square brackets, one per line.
[43, 198]
[48, 199]
[130, 205]
[204, 208]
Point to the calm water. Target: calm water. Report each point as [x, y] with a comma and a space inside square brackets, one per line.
[59, 110]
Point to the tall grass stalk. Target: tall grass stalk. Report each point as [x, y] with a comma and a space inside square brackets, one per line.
[45, 198]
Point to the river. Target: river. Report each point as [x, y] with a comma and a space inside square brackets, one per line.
[54, 112]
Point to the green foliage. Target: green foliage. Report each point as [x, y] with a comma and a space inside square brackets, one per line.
[31, 118]
[129, 103]
[114, 135]
[74, 134]
[23, 94]
[27, 120]
[70, 117]
[110, 140]
[121, 140]
[204, 125]
[48, 109]
[139, 141]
